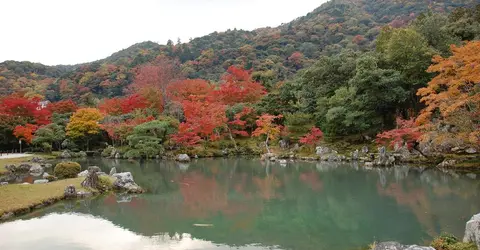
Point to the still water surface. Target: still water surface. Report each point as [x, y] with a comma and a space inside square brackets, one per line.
[247, 204]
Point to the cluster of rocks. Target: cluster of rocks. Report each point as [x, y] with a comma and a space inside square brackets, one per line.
[67, 154]
[392, 245]
[35, 167]
[325, 154]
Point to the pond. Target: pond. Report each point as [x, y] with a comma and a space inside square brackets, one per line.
[247, 204]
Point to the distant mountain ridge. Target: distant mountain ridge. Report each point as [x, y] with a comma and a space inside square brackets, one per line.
[273, 54]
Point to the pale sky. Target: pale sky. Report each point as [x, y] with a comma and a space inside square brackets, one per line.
[77, 31]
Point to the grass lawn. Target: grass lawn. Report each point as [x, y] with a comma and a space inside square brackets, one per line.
[14, 197]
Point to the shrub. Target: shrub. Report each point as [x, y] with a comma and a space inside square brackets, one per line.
[450, 242]
[107, 152]
[67, 170]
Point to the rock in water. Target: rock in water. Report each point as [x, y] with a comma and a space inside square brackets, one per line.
[472, 230]
[447, 163]
[183, 158]
[42, 181]
[355, 155]
[36, 169]
[91, 181]
[70, 192]
[392, 245]
[125, 182]
[83, 173]
[65, 154]
[113, 171]
[37, 159]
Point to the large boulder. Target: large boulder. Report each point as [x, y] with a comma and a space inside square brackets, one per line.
[183, 158]
[36, 169]
[113, 171]
[91, 180]
[472, 230]
[70, 192]
[125, 182]
[392, 245]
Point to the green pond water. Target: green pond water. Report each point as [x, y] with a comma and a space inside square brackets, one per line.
[248, 204]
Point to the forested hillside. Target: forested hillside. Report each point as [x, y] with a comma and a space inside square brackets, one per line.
[352, 68]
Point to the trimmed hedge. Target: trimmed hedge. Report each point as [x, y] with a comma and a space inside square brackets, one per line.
[67, 169]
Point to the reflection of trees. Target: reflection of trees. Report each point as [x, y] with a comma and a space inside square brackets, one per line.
[415, 199]
[303, 206]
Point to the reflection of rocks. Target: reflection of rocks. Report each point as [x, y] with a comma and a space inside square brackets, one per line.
[401, 172]
[392, 245]
[183, 166]
[326, 166]
[124, 198]
[472, 176]
[472, 230]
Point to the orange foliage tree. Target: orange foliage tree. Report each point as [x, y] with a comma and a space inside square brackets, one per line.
[25, 133]
[452, 98]
[266, 126]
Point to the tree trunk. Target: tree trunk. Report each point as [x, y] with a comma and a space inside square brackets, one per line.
[266, 144]
[231, 138]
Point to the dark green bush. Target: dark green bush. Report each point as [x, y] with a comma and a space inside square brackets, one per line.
[67, 169]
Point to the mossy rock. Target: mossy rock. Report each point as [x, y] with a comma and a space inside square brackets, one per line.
[67, 169]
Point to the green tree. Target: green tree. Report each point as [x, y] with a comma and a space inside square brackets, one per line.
[147, 138]
[49, 136]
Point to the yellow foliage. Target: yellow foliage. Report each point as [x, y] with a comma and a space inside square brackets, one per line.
[84, 122]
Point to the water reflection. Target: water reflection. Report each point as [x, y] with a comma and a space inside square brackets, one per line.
[302, 205]
[80, 231]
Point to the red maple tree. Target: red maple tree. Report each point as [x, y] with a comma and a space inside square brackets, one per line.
[313, 137]
[25, 133]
